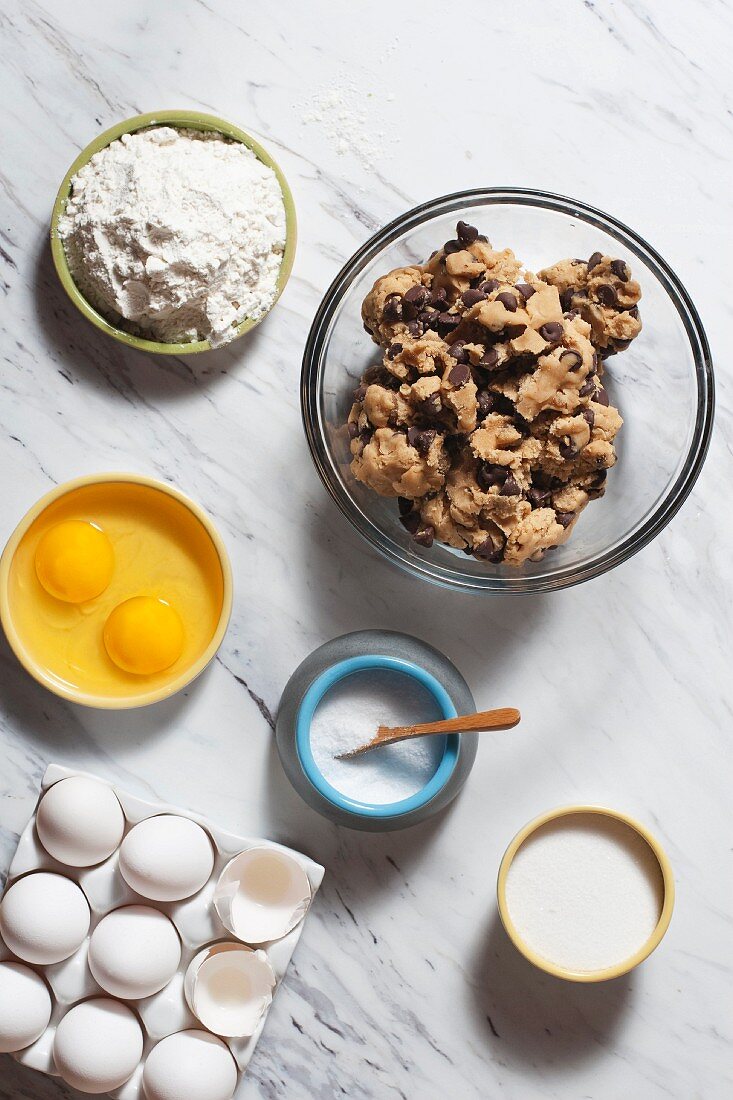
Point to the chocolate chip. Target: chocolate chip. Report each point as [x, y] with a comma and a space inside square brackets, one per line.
[449, 320]
[483, 238]
[466, 233]
[452, 246]
[393, 350]
[489, 286]
[411, 522]
[551, 331]
[508, 300]
[471, 297]
[633, 312]
[415, 329]
[490, 473]
[590, 417]
[428, 317]
[597, 486]
[566, 299]
[564, 518]
[365, 436]
[409, 310]
[424, 536]
[606, 295]
[353, 430]
[538, 497]
[525, 290]
[417, 295]
[489, 360]
[621, 345]
[513, 332]
[567, 448]
[492, 548]
[438, 296]
[587, 388]
[431, 406]
[510, 488]
[459, 375]
[571, 360]
[360, 392]
[595, 260]
[620, 270]
[601, 397]
[404, 505]
[367, 329]
[484, 402]
[421, 439]
[393, 308]
[458, 352]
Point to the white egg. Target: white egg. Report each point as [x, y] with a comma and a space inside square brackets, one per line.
[262, 894]
[166, 858]
[80, 821]
[134, 952]
[98, 1045]
[25, 1006]
[190, 1064]
[44, 918]
[229, 987]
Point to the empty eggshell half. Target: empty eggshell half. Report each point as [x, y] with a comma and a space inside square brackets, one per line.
[166, 858]
[262, 894]
[229, 987]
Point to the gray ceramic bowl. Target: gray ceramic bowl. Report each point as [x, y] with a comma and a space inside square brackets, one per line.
[346, 656]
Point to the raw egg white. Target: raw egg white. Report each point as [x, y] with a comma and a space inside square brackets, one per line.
[134, 952]
[98, 1045]
[80, 821]
[25, 1006]
[190, 1064]
[44, 918]
[166, 858]
[144, 635]
[75, 561]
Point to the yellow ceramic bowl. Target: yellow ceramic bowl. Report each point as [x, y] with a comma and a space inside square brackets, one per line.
[191, 120]
[187, 540]
[587, 975]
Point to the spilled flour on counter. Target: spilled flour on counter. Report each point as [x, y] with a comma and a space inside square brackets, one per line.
[585, 891]
[176, 235]
[348, 716]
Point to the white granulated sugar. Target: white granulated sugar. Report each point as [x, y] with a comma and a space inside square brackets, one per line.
[348, 716]
[585, 892]
[178, 232]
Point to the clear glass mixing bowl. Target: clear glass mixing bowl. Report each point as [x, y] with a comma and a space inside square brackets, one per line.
[662, 385]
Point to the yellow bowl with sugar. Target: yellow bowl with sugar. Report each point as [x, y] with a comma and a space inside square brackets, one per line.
[115, 590]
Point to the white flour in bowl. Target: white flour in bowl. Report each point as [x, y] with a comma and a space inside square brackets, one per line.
[348, 716]
[585, 891]
[179, 233]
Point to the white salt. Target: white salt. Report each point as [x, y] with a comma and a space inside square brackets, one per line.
[348, 716]
[585, 892]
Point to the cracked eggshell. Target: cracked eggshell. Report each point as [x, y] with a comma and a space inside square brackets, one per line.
[262, 894]
[229, 988]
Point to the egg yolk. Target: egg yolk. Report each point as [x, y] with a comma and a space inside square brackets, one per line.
[75, 561]
[144, 635]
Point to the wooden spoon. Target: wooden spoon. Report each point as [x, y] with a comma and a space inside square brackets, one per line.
[505, 718]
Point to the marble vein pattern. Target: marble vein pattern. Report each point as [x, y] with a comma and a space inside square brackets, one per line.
[404, 984]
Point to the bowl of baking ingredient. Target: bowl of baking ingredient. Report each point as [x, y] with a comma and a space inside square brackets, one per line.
[585, 893]
[115, 590]
[174, 232]
[334, 702]
[466, 447]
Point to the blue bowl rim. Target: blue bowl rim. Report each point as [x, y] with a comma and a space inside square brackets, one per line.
[323, 684]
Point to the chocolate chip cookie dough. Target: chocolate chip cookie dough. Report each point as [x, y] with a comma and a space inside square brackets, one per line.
[487, 418]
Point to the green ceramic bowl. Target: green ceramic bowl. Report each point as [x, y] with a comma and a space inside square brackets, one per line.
[191, 120]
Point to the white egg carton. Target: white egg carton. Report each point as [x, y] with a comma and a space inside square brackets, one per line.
[195, 919]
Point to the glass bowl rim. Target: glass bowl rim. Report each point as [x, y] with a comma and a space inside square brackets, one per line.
[567, 576]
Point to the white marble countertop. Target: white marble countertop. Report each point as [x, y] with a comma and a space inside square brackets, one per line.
[403, 985]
